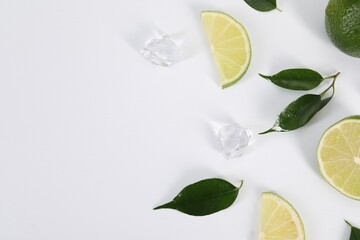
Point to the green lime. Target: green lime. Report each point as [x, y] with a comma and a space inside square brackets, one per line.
[342, 22]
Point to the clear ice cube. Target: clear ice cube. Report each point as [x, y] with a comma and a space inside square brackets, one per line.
[233, 140]
[161, 50]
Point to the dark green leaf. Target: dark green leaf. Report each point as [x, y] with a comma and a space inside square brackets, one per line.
[298, 113]
[296, 79]
[262, 5]
[302, 110]
[204, 197]
[355, 232]
[324, 102]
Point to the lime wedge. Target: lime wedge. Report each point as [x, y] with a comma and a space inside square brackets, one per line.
[279, 220]
[339, 156]
[229, 44]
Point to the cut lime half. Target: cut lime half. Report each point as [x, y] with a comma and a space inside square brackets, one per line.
[229, 44]
[279, 219]
[338, 154]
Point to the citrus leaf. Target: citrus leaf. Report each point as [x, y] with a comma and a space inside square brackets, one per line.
[204, 197]
[296, 79]
[355, 232]
[302, 110]
[262, 5]
[298, 113]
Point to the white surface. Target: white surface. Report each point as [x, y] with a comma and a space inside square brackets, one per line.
[92, 136]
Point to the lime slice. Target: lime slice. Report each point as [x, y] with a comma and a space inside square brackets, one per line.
[279, 220]
[339, 156]
[230, 45]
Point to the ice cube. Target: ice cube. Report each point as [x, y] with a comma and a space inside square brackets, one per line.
[233, 140]
[161, 50]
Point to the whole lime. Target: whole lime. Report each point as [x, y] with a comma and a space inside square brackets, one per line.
[342, 22]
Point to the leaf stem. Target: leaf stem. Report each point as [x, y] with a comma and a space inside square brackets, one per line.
[267, 131]
[348, 223]
[241, 184]
[332, 76]
[331, 86]
[166, 205]
[278, 9]
[264, 76]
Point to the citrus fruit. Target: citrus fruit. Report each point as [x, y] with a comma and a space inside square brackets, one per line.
[339, 156]
[279, 220]
[342, 22]
[230, 45]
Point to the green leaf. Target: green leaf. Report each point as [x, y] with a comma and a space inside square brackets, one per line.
[298, 113]
[204, 197]
[355, 232]
[302, 110]
[262, 5]
[296, 79]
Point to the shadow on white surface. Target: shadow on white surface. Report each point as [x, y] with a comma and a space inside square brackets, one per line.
[196, 9]
[313, 16]
[140, 34]
[346, 232]
[256, 205]
[276, 100]
[282, 63]
[188, 50]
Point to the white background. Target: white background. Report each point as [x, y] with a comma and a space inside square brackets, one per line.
[92, 136]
